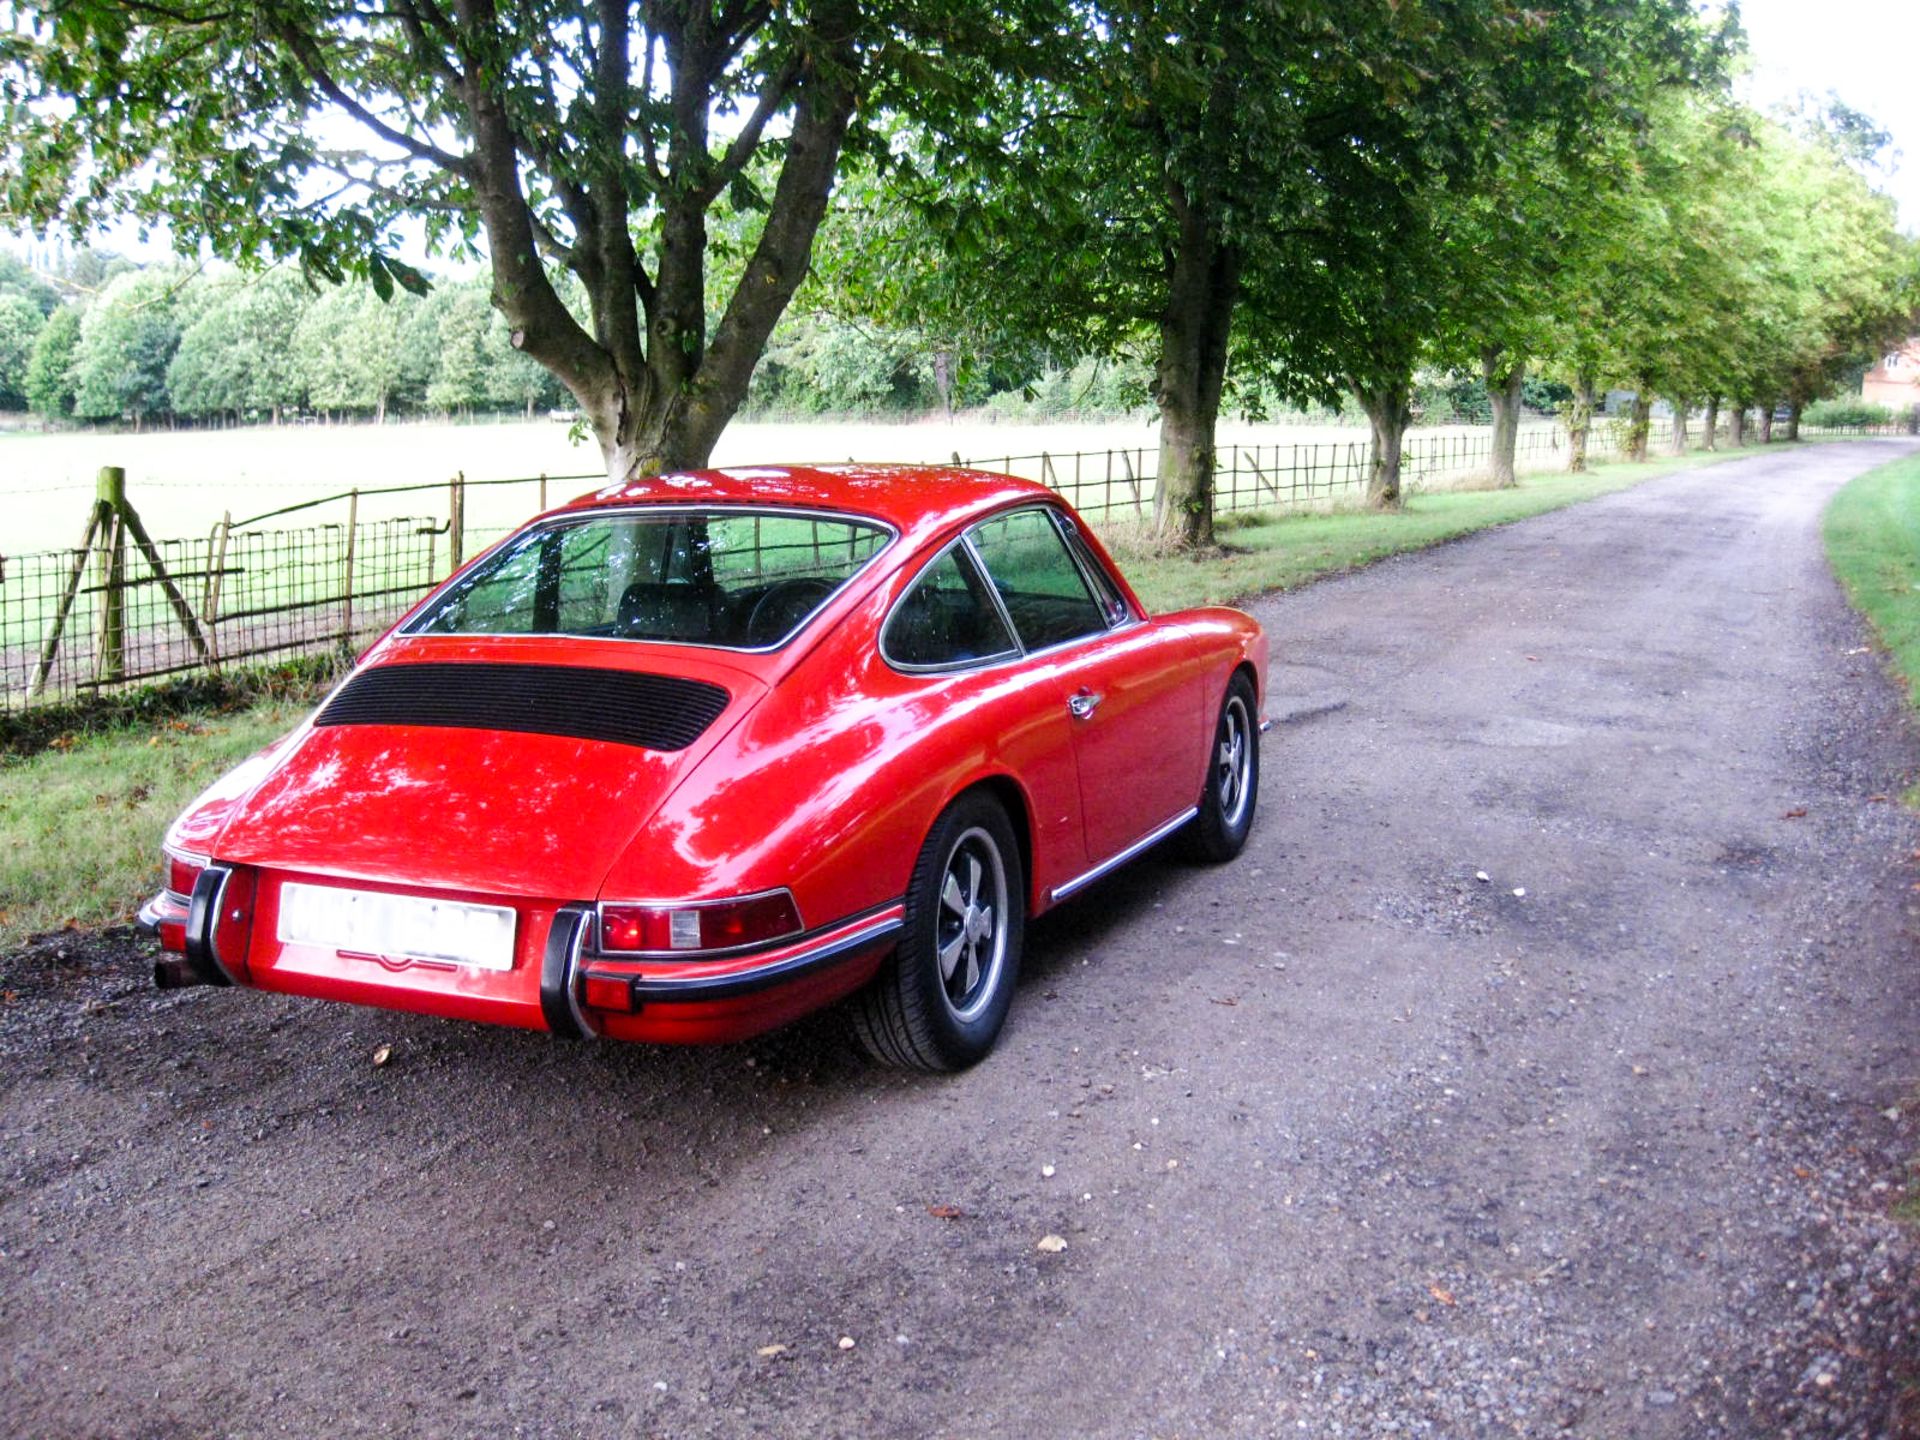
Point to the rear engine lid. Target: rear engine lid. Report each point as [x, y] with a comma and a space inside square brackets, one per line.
[493, 775]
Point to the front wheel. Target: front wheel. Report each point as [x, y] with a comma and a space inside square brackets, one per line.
[1220, 830]
[940, 1000]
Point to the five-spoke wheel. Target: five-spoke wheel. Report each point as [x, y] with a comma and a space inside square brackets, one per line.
[1233, 780]
[940, 1001]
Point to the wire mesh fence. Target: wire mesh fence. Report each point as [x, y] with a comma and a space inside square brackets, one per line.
[121, 609]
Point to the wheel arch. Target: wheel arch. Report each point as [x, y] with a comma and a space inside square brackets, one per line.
[1006, 791]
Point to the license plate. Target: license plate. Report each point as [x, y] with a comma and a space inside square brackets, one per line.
[397, 927]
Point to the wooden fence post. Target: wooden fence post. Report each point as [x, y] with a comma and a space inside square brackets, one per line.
[52, 647]
[111, 496]
[457, 519]
[210, 597]
[346, 588]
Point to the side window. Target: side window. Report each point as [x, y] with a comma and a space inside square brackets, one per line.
[1038, 580]
[947, 618]
[1116, 609]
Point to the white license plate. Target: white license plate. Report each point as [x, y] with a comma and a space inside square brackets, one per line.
[397, 927]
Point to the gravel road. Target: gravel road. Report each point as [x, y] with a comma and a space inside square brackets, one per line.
[1343, 1139]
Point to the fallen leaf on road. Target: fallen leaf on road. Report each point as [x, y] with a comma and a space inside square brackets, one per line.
[383, 1054]
[1228, 1001]
[767, 1352]
[1445, 1297]
[1792, 814]
[946, 1212]
[1051, 1244]
[1801, 1172]
[1534, 658]
[1876, 799]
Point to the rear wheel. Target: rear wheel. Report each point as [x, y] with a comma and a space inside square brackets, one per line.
[940, 1000]
[1220, 830]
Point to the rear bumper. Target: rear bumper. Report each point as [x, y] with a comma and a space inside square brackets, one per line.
[549, 987]
[701, 1002]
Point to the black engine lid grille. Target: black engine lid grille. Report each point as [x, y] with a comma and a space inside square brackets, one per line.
[655, 712]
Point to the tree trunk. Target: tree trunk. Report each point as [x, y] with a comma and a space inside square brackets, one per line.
[1639, 425]
[1737, 425]
[1580, 422]
[1710, 423]
[943, 380]
[1793, 421]
[1678, 440]
[1766, 422]
[1191, 371]
[1505, 375]
[1389, 411]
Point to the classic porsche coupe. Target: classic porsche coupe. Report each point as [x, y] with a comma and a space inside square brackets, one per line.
[689, 758]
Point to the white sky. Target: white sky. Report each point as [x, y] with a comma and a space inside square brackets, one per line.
[1866, 51]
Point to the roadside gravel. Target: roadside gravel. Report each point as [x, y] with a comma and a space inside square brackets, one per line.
[1342, 1139]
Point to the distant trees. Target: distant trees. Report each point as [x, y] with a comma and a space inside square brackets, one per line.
[165, 344]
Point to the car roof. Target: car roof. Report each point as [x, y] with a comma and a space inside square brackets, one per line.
[913, 499]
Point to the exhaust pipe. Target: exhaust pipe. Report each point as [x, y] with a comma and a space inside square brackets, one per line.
[175, 974]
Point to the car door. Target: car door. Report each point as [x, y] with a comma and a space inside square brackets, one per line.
[1132, 698]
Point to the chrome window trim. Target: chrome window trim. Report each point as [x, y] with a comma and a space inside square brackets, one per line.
[568, 519]
[1057, 517]
[953, 667]
[1093, 572]
[1114, 862]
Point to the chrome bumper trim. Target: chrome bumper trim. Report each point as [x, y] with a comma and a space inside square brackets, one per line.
[741, 982]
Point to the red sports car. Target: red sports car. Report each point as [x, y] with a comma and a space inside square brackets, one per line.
[689, 758]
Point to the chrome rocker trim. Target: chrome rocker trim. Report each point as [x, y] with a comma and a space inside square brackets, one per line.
[1114, 862]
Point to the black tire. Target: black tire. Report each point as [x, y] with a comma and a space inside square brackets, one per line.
[1232, 789]
[939, 1001]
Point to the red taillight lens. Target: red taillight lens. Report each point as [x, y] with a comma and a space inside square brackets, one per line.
[182, 872]
[748, 922]
[727, 925]
[609, 993]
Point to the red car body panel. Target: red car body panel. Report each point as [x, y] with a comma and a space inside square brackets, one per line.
[821, 776]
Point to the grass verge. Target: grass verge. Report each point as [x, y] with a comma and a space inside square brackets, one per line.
[81, 821]
[85, 798]
[1280, 552]
[1872, 531]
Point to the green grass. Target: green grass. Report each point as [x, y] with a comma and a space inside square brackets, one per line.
[1280, 552]
[1873, 542]
[81, 821]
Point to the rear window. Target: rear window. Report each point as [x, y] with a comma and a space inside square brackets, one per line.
[745, 580]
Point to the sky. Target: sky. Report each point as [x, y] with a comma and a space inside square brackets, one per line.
[1866, 51]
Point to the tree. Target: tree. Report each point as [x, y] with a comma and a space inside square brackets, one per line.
[50, 370]
[566, 136]
[348, 347]
[127, 340]
[20, 326]
[238, 356]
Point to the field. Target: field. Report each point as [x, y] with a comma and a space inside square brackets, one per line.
[183, 481]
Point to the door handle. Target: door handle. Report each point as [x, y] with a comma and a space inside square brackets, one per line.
[1082, 704]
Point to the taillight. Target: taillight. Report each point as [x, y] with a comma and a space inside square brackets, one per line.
[721, 925]
[182, 871]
